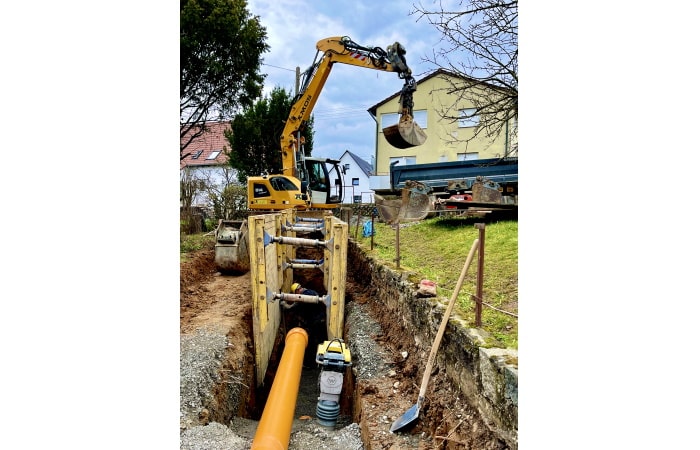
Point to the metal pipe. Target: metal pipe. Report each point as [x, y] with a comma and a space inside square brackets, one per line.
[301, 242]
[275, 426]
[301, 228]
[302, 298]
[300, 266]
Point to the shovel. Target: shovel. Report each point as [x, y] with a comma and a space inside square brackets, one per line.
[413, 412]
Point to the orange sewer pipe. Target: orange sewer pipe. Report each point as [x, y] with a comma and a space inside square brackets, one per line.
[275, 425]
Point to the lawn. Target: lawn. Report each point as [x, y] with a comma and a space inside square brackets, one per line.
[437, 248]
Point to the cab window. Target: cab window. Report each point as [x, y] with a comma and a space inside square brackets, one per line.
[282, 184]
[260, 190]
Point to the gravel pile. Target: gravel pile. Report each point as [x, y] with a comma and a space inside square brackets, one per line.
[201, 354]
[316, 437]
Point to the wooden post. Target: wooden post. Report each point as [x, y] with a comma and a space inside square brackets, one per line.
[357, 225]
[398, 245]
[480, 273]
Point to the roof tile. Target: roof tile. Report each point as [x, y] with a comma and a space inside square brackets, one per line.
[211, 141]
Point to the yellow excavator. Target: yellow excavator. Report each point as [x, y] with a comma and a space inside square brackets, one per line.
[317, 183]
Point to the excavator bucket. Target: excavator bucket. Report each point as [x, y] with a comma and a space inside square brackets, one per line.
[412, 205]
[405, 134]
[231, 248]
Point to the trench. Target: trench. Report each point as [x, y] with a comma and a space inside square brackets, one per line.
[311, 318]
[376, 340]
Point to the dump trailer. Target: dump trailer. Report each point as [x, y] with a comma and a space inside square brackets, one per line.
[478, 178]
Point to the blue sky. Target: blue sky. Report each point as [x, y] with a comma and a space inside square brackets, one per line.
[341, 118]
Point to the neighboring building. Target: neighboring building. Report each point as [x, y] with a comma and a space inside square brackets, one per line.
[357, 175]
[206, 159]
[446, 139]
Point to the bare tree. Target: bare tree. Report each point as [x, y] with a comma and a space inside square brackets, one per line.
[481, 51]
[224, 192]
[190, 185]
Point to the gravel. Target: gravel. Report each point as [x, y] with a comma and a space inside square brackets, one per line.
[368, 356]
[201, 355]
[214, 436]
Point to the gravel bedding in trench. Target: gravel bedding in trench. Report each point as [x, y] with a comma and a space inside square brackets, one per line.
[201, 354]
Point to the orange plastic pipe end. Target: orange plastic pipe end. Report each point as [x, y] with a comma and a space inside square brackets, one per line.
[275, 426]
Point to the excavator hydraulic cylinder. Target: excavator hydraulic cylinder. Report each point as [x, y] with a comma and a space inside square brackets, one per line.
[275, 426]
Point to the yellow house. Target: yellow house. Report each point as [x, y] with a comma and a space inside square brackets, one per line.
[447, 119]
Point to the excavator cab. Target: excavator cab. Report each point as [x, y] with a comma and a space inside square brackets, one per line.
[323, 181]
[275, 192]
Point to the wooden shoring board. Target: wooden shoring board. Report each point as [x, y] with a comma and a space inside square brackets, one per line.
[335, 274]
[265, 279]
[268, 278]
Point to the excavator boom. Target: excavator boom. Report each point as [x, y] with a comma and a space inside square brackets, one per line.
[341, 49]
[317, 183]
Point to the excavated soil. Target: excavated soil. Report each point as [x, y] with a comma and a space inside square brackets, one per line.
[387, 368]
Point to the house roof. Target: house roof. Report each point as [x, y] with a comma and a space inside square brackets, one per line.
[202, 149]
[373, 109]
[361, 163]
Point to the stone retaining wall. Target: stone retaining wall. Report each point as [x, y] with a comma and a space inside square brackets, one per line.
[486, 374]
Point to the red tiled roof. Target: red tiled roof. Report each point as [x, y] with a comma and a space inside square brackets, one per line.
[211, 141]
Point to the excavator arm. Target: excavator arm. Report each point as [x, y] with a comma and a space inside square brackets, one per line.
[343, 50]
[316, 183]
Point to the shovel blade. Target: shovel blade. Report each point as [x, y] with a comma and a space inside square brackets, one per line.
[407, 419]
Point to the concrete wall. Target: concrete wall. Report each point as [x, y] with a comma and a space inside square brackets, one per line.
[486, 374]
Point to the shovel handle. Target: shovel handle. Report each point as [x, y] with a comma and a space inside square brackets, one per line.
[443, 325]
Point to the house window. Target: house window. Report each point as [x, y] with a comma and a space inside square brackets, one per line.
[468, 118]
[214, 154]
[357, 198]
[389, 119]
[470, 156]
[346, 166]
[196, 154]
[355, 181]
[420, 117]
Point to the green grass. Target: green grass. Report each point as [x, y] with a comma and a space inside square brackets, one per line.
[193, 242]
[437, 249]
